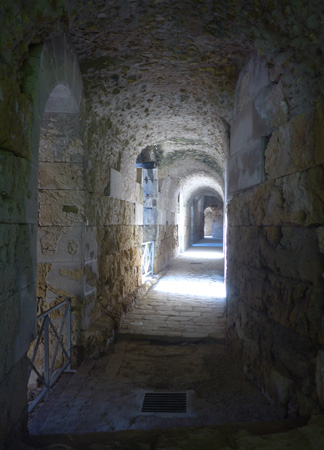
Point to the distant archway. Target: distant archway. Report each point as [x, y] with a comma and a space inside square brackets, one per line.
[213, 217]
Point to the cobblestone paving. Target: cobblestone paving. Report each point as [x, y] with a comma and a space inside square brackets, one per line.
[188, 301]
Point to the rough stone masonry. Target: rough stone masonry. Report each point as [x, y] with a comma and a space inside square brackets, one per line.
[226, 98]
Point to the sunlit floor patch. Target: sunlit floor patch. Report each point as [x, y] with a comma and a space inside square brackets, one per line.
[203, 254]
[187, 302]
[185, 286]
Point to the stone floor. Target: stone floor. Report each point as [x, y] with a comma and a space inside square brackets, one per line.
[172, 341]
[253, 436]
[188, 301]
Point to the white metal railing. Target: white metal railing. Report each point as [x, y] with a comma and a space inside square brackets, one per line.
[47, 328]
[147, 258]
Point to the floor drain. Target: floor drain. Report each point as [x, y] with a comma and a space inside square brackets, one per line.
[165, 402]
[195, 263]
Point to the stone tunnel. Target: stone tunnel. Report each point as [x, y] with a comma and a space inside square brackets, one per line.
[125, 122]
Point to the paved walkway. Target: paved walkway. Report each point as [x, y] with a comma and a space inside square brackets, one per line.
[188, 301]
[107, 393]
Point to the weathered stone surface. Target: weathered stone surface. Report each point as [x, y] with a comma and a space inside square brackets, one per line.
[14, 175]
[61, 207]
[15, 118]
[13, 414]
[166, 246]
[143, 90]
[60, 176]
[275, 263]
[9, 320]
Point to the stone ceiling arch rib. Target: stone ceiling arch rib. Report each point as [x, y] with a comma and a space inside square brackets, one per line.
[198, 185]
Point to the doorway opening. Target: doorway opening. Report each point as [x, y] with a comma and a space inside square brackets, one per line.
[60, 234]
[148, 173]
[213, 218]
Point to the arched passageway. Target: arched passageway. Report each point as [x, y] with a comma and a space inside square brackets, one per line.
[228, 102]
[171, 342]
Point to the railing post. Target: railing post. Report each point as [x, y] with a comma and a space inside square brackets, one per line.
[49, 377]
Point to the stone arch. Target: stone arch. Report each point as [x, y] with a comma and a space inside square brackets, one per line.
[194, 189]
[57, 184]
[50, 69]
[49, 65]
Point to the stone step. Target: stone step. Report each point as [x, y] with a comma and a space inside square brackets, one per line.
[278, 435]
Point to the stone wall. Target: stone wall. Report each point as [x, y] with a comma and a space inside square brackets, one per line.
[275, 260]
[193, 222]
[24, 96]
[213, 223]
[166, 246]
[167, 239]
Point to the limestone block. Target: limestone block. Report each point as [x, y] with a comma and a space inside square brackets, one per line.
[9, 321]
[239, 213]
[27, 321]
[8, 268]
[138, 214]
[14, 176]
[138, 235]
[252, 80]
[138, 193]
[241, 239]
[17, 258]
[296, 199]
[115, 179]
[302, 143]
[107, 238]
[282, 295]
[273, 235]
[111, 211]
[60, 244]
[31, 203]
[299, 246]
[98, 176]
[291, 147]
[280, 387]
[272, 206]
[91, 276]
[13, 407]
[15, 118]
[277, 153]
[320, 376]
[66, 279]
[311, 182]
[47, 239]
[61, 207]
[61, 175]
[42, 270]
[245, 168]
[91, 243]
[60, 138]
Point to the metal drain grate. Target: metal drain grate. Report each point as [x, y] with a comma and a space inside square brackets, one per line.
[165, 402]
